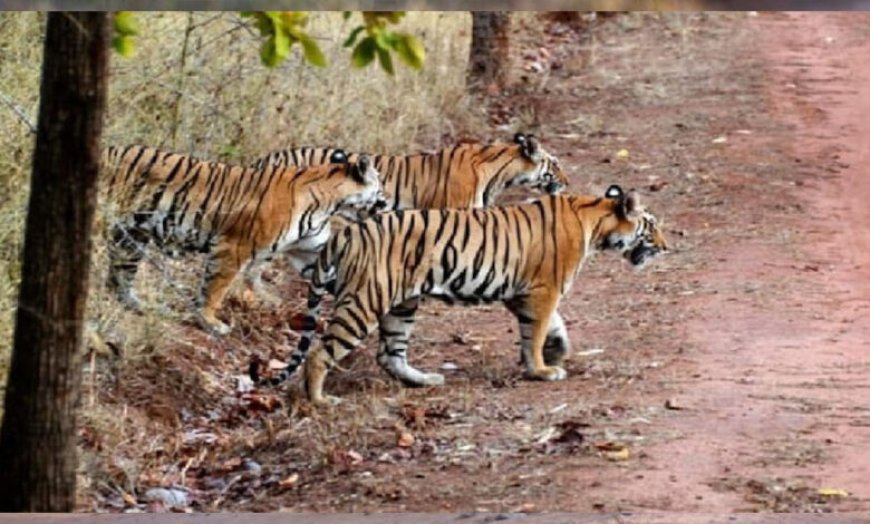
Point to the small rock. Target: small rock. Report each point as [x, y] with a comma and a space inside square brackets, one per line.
[460, 338]
[405, 440]
[449, 366]
[212, 484]
[252, 467]
[170, 497]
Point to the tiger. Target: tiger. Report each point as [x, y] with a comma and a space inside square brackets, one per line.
[525, 256]
[238, 216]
[464, 175]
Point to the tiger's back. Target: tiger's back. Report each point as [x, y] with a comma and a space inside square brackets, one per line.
[465, 175]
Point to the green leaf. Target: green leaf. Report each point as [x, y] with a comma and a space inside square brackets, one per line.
[353, 36]
[364, 52]
[346, 14]
[382, 39]
[268, 54]
[411, 51]
[386, 61]
[312, 51]
[231, 151]
[394, 16]
[123, 45]
[125, 23]
[293, 18]
[282, 44]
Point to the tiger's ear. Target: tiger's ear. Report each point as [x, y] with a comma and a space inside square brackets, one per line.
[358, 171]
[338, 157]
[530, 147]
[629, 205]
[519, 138]
[614, 191]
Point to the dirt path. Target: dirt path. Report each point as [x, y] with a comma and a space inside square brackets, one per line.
[778, 406]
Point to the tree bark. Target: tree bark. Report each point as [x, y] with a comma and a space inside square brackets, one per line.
[38, 456]
[488, 60]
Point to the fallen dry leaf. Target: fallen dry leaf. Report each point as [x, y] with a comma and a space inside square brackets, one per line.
[354, 457]
[528, 507]
[658, 186]
[617, 456]
[345, 459]
[622, 153]
[415, 416]
[674, 405]
[129, 499]
[608, 445]
[231, 464]
[833, 492]
[259, 402]
[289, 482]
[276, 364]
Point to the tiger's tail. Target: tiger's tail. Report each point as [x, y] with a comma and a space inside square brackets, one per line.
[321, 283]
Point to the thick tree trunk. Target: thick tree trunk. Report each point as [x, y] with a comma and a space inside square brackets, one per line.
[38, 437]
[488, 59]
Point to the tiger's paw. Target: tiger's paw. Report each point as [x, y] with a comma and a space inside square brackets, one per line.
[549, 374]
[214, 326]
[323, 401]
[432, 379]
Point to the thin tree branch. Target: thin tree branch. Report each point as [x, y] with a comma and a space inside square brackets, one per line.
[18, 110]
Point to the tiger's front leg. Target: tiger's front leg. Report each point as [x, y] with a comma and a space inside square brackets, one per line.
[220, 270]
[556, 347]
[535, 314]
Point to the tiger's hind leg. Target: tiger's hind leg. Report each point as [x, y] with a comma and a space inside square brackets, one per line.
[536, 315]
[395, 330]
[220, 270]
[351, 323]
[126, 249]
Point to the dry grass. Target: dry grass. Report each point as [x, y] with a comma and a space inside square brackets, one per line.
[196, 85]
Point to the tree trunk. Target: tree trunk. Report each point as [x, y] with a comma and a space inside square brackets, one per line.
[38, 438]
[488, 61]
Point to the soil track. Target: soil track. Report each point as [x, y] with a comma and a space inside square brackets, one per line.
[731, 375]
[776, 391]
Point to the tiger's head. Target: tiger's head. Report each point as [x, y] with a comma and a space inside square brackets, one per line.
[630, 228]
[361, 186]
[539, 169]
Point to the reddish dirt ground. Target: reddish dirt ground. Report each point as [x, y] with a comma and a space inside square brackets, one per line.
[732, 375]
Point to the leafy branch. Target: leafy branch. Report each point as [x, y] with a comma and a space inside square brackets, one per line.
[282, 29]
